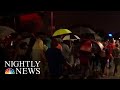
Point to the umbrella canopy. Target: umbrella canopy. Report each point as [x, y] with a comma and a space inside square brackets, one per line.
[86, 46]
[97, 46]
[5, 31]
[87, 33]
[84, 30]
[97, 37]
[61, 32]
[91, 46]
[71, 37]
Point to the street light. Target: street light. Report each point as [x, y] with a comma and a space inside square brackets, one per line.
[110, 35]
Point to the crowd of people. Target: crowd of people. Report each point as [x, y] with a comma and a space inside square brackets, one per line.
[61, 58]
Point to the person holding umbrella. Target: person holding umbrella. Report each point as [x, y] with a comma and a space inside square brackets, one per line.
[55, 60]
[84, 53]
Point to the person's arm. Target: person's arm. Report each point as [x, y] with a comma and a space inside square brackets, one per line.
[45, 48]
[68, 50]
[119, 52]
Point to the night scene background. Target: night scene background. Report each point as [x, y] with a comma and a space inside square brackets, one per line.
[40, 25]
[107, 21]
[104, 20]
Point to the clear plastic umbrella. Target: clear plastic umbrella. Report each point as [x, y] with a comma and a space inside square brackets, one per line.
[5, 31]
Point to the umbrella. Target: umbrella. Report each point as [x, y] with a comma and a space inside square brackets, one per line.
[97, 45]
[61, 32]
[5, 31]
[84, 30]
[97, 37]
[71, 37]
[87, 33]
[91, 46]
[86, 46]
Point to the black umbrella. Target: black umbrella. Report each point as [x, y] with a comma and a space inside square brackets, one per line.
[83, 30]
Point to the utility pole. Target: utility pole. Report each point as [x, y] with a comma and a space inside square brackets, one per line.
[52, 22]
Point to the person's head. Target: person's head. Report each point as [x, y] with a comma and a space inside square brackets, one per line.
[62, 36]
[48, 35]
[14, 35]
[111, 41]
[23, 45]
[116, 45]
[54, 43]
[40, 35]
[2, 45]
[59, 40]
[66, 42]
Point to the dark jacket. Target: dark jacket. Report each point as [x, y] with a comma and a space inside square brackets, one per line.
[55, 61]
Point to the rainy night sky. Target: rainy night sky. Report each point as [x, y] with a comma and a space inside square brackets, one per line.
[108, 21]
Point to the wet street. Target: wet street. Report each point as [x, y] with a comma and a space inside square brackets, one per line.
[117, 76]
[98, 76]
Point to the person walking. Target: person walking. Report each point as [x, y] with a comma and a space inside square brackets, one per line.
[55, 60]
[38, 54]
[116, 55]
[103, 60]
